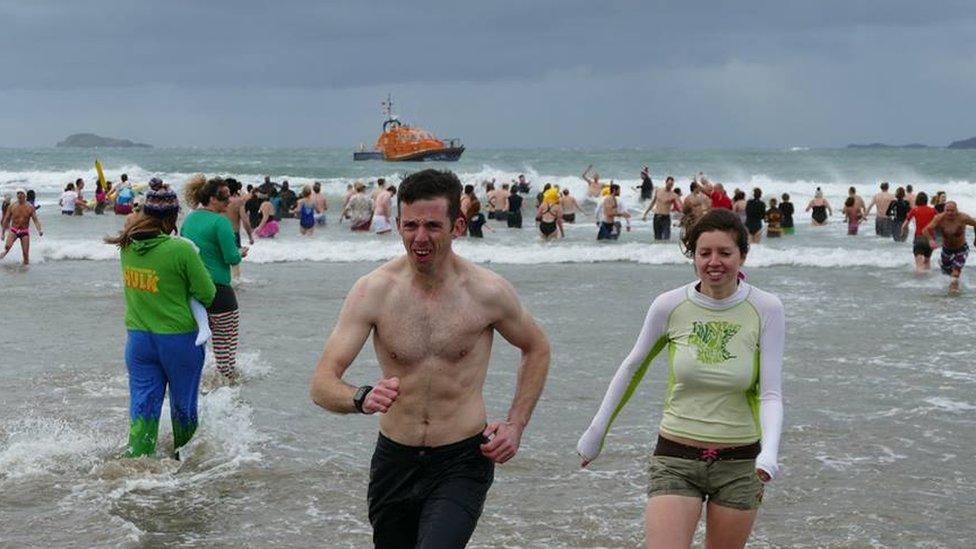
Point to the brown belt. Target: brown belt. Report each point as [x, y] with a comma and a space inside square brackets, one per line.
[670, 448]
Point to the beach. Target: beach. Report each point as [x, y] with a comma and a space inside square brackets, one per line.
[878, 375]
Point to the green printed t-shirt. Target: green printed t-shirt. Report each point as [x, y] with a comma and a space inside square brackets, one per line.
[713, 377]
[160, 275]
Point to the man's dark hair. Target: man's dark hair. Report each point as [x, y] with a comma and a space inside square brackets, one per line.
[428, 184]
[718, 219]
[469, 189]
[921, 199]
[125, 177]
[884, 186]
[381, 181]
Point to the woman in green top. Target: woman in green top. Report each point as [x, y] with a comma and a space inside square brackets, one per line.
[161, 273]
[213, 234]
[718, 439]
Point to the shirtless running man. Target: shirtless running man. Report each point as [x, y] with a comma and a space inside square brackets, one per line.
[664, 200]
[19, 216]
[432, 315]
[952, 224]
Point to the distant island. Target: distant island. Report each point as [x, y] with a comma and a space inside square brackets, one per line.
[886, 146]
[90, 140]
[964, 144]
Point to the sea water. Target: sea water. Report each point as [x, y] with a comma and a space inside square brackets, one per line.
[878, 373]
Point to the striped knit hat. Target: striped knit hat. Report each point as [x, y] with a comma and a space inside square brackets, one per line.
[160, 201]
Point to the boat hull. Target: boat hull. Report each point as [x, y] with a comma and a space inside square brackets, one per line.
[447, 154]
[367, 155]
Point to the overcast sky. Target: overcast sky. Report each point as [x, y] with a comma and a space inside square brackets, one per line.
[498, 73]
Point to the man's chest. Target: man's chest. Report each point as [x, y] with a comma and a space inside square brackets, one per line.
[412, 330]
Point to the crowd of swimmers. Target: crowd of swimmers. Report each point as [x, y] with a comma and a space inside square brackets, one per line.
[257, 211]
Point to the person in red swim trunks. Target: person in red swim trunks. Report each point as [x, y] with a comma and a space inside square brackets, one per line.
[19, 216]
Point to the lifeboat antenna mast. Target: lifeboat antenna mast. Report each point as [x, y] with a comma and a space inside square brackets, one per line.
[388, 106]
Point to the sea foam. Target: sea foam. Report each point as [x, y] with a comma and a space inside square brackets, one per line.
[525, 253]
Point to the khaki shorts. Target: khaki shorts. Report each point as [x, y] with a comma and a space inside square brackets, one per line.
[731, 483]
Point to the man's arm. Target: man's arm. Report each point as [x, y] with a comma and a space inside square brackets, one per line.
[518, 327]
[649, 207]
[874, 201]
[37, 222]
[328, 390]
[586, 175]
[246, 223]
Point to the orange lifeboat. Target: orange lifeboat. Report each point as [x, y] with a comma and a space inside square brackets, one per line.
[402, 143]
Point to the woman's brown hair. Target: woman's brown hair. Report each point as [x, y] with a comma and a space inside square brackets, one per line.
[718, 219]
[143, 223]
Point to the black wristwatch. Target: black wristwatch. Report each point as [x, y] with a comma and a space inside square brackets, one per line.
[360, 396]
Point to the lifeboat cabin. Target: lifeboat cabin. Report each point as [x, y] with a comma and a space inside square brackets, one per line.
[401, 143]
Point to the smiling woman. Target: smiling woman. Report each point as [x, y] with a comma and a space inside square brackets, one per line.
[719, 436]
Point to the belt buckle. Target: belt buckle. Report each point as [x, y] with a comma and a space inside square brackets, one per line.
[709, 455]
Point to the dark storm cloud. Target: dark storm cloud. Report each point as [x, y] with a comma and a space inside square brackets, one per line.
[560, 73]
[343, 44]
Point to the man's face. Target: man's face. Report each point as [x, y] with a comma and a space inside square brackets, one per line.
[21, 198]
[219, 202]
[427, 232]
[951, 210]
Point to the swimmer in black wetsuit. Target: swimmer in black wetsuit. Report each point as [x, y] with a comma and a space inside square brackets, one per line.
[476, 219]
[897, 212]
[755, 213]
[786, 210]
[513, 216]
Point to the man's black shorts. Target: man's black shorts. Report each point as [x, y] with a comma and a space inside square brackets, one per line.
[427, 497]
[662, 227]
